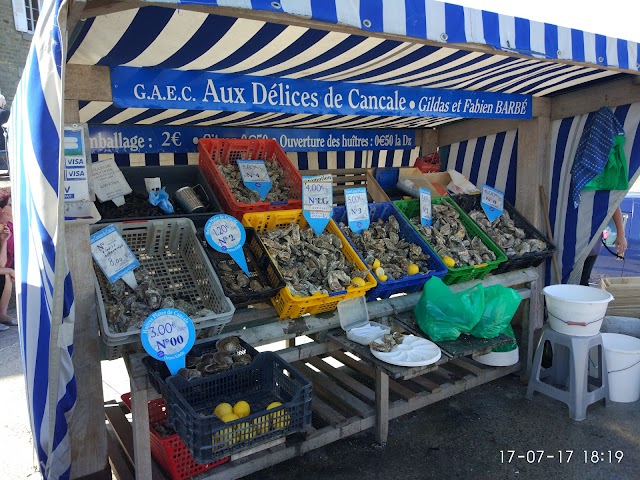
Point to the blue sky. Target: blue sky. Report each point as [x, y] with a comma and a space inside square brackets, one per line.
[589, 15]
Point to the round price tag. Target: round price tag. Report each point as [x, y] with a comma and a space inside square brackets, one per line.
[227, 235]
[168, 335]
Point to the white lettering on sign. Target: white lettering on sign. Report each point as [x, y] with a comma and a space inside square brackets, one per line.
[108, 180]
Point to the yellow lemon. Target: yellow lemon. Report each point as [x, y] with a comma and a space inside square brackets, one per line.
[413, 269]
[261, 424]
[225, 437]
[245, 431]
[379, 271]
[448, 261]
[241, 409]
[229, 417]
[222, 409]
[376, 264]
[357, 281]
[279, 419]
[383, 278]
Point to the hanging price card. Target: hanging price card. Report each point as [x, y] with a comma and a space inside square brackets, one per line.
[113, 255]
[425, 207]
[168, 335]
[227, 235]
[255, 176]
[357, 206]
[317, 201]
[492, 202]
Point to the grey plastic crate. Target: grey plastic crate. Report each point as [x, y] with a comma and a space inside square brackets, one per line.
[170, 249]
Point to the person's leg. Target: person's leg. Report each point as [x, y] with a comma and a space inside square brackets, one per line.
[4, 302]
[586, 270]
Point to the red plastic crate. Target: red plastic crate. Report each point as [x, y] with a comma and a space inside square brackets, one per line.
[230, 150]
[170, 452]
[428, 163]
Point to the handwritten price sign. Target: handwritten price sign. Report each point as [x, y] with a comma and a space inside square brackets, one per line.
[227, 235]
[492, 202]
[112, 254]
[425, 207]
[317, 201]
[168, 335]
[255, 176]
[357, 206]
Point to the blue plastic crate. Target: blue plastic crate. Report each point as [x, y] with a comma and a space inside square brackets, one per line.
[406, 284]
[387, 178]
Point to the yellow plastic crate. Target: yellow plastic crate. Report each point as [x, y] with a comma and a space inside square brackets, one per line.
[293, 306]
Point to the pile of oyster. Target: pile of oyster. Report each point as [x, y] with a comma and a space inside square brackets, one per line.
[450, 238]
[279, 187]
[389, 341]
[308, 262]
[236, 281]
[128, 308]
[506, 235]
[383, 241]
[229, 354]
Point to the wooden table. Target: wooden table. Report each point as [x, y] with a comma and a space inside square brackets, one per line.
[344, 403]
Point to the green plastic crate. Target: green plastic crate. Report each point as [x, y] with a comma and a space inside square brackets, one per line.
[411, 208]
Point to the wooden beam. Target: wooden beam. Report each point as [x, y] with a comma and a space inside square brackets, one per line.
[88, 82]
[474, 128]
[609, 94]
[427, 140]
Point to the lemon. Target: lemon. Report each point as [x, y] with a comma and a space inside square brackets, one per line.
[413, 269]
[383, 278]
[226, 436]
[376, 264]
[222, 409]
[379, 271]
[261, 424]
[245, 431]
[279, 419]
[242, 409]
[357, 281]
[448, 261]
[229, 417]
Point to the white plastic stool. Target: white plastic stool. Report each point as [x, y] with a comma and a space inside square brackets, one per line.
[570, 369]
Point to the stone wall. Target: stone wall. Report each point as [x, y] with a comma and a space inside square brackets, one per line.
[14, 47]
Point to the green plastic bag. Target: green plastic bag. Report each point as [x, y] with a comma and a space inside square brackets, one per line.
[444, 315]
[615, 175]
[500, 305]
[509, 346]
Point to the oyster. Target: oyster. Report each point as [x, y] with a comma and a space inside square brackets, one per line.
[280, 189]
[228, 344]
[389, 341]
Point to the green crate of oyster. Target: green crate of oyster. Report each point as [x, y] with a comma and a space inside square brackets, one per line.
[455, 235]
[522, 243]
[174, 272]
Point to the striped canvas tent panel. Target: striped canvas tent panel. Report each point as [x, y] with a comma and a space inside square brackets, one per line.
[43, 282]
[577, 230]
[489, 160]
[302, 160]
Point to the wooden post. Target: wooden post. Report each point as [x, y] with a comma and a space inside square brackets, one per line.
[427, 140]
[533, 170]
[87, 429]
[382, 406]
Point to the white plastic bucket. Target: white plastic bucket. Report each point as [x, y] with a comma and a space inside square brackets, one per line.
[623, 366]
[576, 309]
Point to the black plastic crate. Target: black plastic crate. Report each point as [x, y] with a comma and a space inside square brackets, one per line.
[268, 379]
[472, 202]
[261, 268]
[157, 371]
[173, 177]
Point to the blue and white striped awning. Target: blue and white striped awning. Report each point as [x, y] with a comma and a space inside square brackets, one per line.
[441, 53]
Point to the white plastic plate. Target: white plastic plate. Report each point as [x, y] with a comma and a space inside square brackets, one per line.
[412, 352]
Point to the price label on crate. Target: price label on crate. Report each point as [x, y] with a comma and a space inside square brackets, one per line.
[492, 202]
[227, 235]
[168, 335]
[425, 206]
[357, 206]
[255, 176]
[317, 201]
[114, 256]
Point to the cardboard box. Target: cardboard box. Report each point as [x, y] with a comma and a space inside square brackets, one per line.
[626, 294]
[436, 183]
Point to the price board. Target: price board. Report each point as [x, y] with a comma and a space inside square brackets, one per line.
[112, 254]
[425, 207]
[168, 335]
[357, 206]
[492, 202]
[317, 201]
[255, 176]
[227, 235]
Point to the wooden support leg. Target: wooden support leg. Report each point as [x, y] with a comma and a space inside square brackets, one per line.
[140, 415]
[382, 406]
